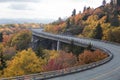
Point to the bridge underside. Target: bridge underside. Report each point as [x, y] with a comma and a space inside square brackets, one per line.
[45, 43]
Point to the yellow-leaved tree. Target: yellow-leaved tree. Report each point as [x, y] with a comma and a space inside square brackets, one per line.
[50, 54]
[25, 62]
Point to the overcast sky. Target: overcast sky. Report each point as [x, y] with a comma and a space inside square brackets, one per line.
[43, 9]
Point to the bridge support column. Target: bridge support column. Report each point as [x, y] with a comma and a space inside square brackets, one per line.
[58, 45]
[53, 45]
[34, 42]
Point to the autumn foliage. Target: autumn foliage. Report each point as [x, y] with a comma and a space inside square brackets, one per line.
[87, 56]
[27, 62]
[24, 62]
[63, 60]
[99, 23]
[21, 40]
[18, 59]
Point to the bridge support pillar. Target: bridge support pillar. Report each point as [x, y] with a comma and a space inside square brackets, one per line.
[58, 45]
[34, 42]
[53, 45]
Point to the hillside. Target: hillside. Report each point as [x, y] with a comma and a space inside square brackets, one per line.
[102, 22]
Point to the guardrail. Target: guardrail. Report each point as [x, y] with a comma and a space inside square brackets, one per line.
[50, 34]
[56, 73]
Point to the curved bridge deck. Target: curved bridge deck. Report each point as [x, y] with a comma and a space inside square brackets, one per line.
[108, 71]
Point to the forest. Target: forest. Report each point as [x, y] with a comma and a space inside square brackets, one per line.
[18, 58]
[101, 23]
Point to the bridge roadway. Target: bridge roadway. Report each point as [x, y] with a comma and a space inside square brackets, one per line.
[107, 71]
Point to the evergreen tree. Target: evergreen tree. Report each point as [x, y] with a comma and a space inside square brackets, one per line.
[68, 23]
[118, 2]
[104, 2]
[76, 50]
[71, 46]
[115, 20]
[1, 37]
[97, 32]
[59, 19]
[89, 47]
[2, 59]
[111, 2]
[74, 12]
[39, 51]
[107, 18]
[84, 9]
